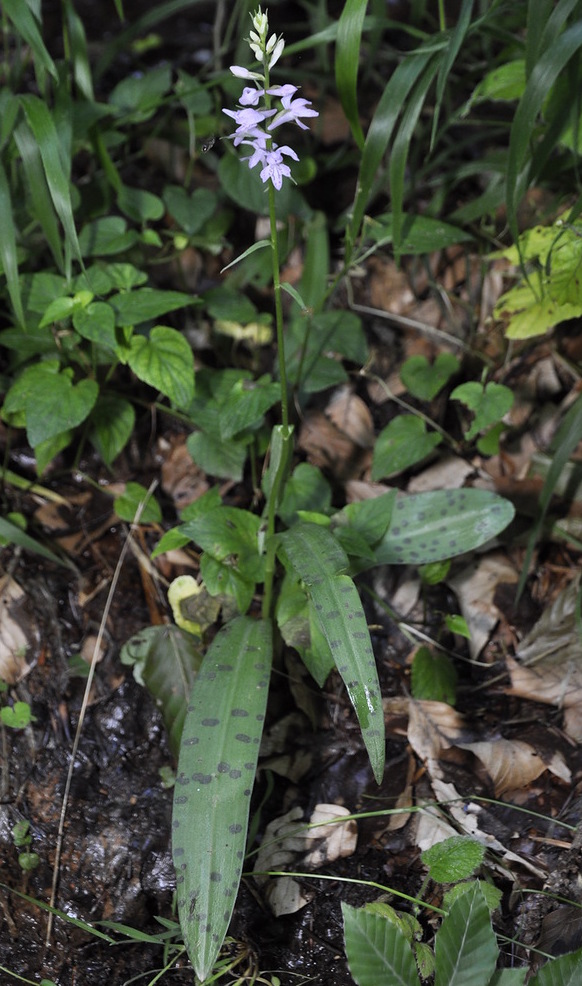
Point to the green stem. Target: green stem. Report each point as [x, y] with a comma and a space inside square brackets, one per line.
[278, 308]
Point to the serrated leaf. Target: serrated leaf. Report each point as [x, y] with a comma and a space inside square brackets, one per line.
[129, 502]
[165, 659]
[216, 771]
[465, 947]
[453, 859]
[377, 950]
[164, 361]
[222, 459]
[427, 527]
[146, 304]
[564, 971]
[59, 406]
[319, 561]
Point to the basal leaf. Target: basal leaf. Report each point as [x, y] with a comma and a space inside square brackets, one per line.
[428, 527]
[563, 971]
[216, 771]
[165, 361]
[319, 561]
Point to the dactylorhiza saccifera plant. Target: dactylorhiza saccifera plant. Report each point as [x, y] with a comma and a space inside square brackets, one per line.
[225, 709]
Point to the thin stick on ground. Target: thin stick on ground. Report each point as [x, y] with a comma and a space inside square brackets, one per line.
[84, 706]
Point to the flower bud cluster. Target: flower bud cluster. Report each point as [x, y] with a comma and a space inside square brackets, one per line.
[255, 107]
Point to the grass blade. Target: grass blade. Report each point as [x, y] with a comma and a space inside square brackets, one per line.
[8, 252]
[319, 561]
[45, 133]
[379, 134]
[28, 29]
[450, 54]
[41, 202]
[541, 80]
[216, 769]
[347, 57]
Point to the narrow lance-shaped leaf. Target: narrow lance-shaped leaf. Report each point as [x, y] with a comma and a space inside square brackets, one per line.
[216, 769]
[8, 254]
[319, 561]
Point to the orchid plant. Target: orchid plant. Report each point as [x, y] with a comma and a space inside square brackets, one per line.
[317, 599]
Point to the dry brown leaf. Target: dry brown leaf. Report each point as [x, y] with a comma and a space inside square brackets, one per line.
[450, 472]
[288, 842]
[350, 414]
[513, 764]
[475, 588]
[548, 664]
[433, 727]
[329, 448]
[17, 631]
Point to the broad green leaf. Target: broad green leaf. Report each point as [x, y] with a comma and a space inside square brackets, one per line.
[222, 578]
[491, 893]
[229, 533]
[401, 444]
[137, 498]
[62, 407]
[377, 950]
[465, 947]
[369, 518]
[46, 451]
[225, 460]
[453, 859]
[112, 423]
[139, 204]
[508, 977]
[306, 489]
[423, 379]
[106, 236]
[347, 58]
[50, 400]
[319, 561]
[489, 403]
[505, 82]
[17, 716]
[247, 404]
[224, 304]
[140, 95]
[189, 211]
[418, 235]
[244, 186]
[96, 323]
[428, 527]
[433, 677]
[147, 304]
[165, 660]
[564, 971]
[216, 771]
[165, 361]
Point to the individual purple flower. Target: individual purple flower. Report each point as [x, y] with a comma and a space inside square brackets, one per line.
[248, 119]
[275, 168]
[293, 109]
[250, 96]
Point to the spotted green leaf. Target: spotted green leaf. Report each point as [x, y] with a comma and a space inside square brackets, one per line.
[427, 527]
[319, 561]
[216, 769]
